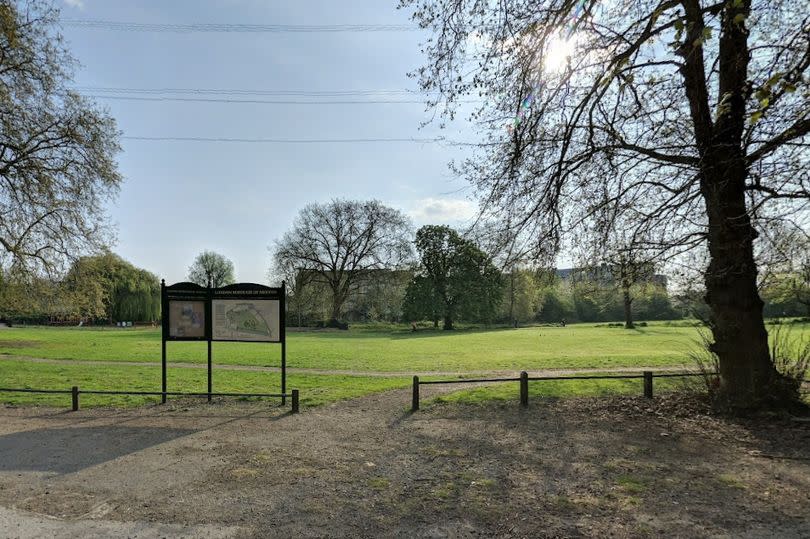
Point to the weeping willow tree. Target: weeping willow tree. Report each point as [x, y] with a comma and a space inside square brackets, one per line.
[107, 287]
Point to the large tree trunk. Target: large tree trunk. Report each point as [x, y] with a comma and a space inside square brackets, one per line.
[748, 377]
[448, 322]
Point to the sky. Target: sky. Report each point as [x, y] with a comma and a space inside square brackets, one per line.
[181, 198]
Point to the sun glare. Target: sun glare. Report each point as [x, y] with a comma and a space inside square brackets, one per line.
[557, 53]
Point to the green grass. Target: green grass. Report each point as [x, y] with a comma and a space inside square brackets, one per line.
[575, 346]
[315, 389]
[360, 350]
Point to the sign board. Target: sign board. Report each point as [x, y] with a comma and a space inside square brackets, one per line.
[186, 318]
[185, 310]
[257, 320]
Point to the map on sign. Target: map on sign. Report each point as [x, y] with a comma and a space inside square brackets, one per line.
[246, 320]
[186, 319]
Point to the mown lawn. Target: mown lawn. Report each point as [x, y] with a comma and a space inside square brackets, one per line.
[575, 346]
[315, 389]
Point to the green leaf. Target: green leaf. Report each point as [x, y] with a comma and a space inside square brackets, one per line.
[739, 18]
[755, 117]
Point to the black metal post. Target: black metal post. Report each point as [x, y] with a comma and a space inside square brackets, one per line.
[283, 323]
[524, 389]
[163, 371]
[164, 316]
[648, 384]
[209, 371]
[415, 398]
[74, 392]
[295, 401]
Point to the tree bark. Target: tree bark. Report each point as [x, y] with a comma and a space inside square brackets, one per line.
[448, 322]
[748, 377]
[628, 307]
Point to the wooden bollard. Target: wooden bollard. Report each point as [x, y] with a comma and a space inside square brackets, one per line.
[295, 401]
[415, 397]
[648, 384]
[524, 389]
[74, 393]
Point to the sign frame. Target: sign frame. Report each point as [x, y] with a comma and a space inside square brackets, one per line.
[187, 291]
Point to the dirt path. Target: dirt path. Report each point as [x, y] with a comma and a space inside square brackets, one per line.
[339, 372]
[619, 467]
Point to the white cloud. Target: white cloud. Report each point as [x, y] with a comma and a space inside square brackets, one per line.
[440, 211]
[75, 3]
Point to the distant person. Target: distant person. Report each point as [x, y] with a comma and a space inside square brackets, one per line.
[413, 326]
[562, 322]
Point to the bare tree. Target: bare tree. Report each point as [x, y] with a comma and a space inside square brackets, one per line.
[57, 149]
[211, 267]
[341, 242]
[695, 111]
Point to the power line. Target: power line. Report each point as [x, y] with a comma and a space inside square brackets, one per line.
[236, 28]
[240, 91]
[268, 101]
[288, 141]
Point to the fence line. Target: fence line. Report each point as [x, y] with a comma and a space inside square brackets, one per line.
[75, 392]
[524, 379]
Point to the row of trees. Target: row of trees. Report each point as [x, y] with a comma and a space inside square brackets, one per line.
[100, 288]
[357, 260]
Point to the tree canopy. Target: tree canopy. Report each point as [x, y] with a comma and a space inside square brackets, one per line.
[107, 287]
[341, 242]
[694, 114]
[57, 149]
[211, 267]
[456, 280]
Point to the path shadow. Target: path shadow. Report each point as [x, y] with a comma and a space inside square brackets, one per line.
[67, 450]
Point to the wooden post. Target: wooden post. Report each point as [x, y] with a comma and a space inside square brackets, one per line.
[415, 399]
[295, 401]
[648, 384]
[74, 392]
[524, 389]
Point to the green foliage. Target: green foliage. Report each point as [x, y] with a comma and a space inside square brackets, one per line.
[211, 267]
[456, 279]
[57, 149]
[106, 287]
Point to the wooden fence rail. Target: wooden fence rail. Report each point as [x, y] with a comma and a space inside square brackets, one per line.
[74, 392]
[524, 380]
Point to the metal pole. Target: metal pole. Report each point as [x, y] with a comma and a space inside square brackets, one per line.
[209, 345]
[209, 371]
[295, 401]
[415, 397]
[74, 393]
[164, 317]
[524, 389]
[163, 369]
[283, 323]
[648, 384]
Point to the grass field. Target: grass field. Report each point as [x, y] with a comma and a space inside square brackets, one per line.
[575, 346]
[361, 351]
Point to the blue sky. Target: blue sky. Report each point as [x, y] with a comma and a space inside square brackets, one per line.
[180, 198]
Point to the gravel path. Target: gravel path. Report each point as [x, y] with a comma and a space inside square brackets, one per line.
[620, 467]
